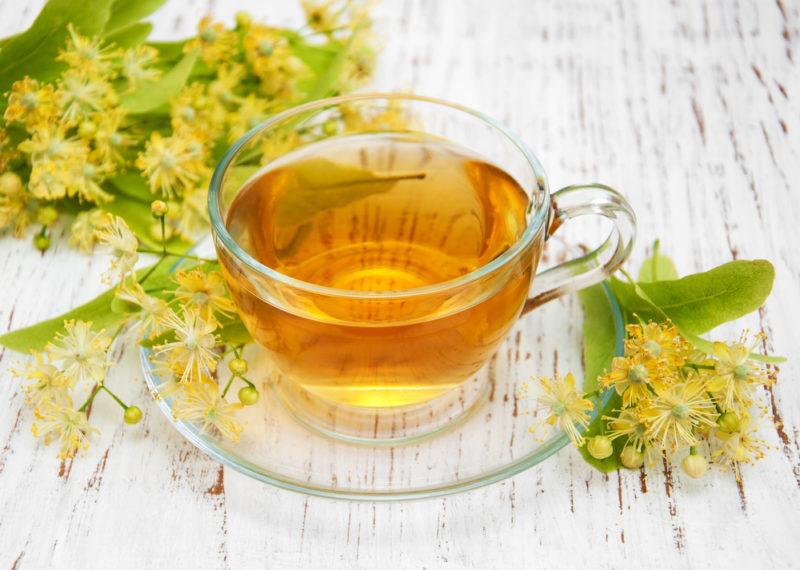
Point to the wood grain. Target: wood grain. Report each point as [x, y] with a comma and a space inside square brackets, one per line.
[690, 108]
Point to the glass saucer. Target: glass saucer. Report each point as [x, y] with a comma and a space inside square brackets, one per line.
[490, 443]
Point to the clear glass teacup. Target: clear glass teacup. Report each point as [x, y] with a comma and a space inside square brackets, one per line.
[379, 247]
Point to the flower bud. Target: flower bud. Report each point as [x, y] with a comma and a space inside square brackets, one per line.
[695, 466]
[10, 183]
[728, 422]
[158, 208]
[238, 366]
[87, 129]
[599, 446]
[41, 242]
[631, 457]
[46, 215]
[248, 395]
[243, 19]
[133, 415]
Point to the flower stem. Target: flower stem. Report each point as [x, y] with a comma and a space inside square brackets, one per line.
[113, 395]
[166, 253]
[228, 386]
[150, 272]
[90, 399]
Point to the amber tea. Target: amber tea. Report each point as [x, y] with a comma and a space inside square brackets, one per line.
[383, 215]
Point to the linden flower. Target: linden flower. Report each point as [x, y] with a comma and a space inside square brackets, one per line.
[153, 310]
[85, 183]
[137, 65]
[202, 403]
[205, 292]
[228, 79]
[50, 142]
[215, 43]
[565, 406]
[632, 378]
[169, 383]
[673, 416]
[52, 178]
[80, 96]
[738, 447]
[250, 113]
[629, 426]
[170, 164]
[31, 103]
[735, 374]
[46, 382]
[322, 15]
[657, 341]
[123, 245]
[69, 427]
[14, 201]
[80, 351]
[193, 220]
[87, 55]
[109, 141]
[83, 231]
[192, 353]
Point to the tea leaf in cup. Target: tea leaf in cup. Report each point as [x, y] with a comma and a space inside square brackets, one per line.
[323, 184]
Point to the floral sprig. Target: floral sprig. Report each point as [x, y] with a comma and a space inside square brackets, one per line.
[676, 401]
[120, 126]
[182, 315]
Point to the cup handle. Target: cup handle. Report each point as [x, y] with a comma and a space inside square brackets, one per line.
[580, 200]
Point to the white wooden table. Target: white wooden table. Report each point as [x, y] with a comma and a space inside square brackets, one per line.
[691, 108]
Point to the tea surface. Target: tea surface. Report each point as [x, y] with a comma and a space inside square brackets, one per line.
[379, 213]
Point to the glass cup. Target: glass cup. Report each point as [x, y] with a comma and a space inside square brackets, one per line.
[388, 365]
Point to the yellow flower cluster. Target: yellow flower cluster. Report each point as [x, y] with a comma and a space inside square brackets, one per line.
[74, 360]
[78, 134]
[674, 401]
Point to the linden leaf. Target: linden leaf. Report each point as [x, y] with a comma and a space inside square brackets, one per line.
[33, 52]
[126, 13]
[700, 302]
[98, 311]
[657, 267]
[131, 36]
[156, 95]
[321, 184]
[600, 345]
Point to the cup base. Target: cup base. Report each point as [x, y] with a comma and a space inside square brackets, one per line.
[383, 425]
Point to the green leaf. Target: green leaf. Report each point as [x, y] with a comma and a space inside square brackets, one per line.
[703, 301]
[131, 36]
[125, 13]
[325, 63]
[169, 51]
[132, 185]
[98, 311]
[657, 267]
[234, 332]
[157, 94]
[599, 347]
[320, 184]
[34, 51]
[599, 335]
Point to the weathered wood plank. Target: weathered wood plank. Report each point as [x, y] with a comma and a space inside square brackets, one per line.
[690, 108]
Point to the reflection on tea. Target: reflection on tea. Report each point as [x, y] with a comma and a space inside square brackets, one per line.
[380, 213]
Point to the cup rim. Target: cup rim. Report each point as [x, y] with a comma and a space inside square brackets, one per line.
[537, 220]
